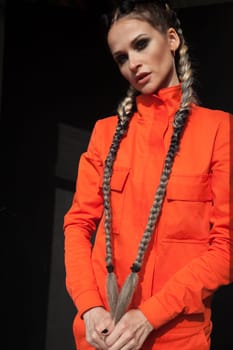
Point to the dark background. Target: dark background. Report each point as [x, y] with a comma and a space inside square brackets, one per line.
[57, 69]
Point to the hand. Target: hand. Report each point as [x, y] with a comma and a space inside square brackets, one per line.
[130, 332]
[98, 324]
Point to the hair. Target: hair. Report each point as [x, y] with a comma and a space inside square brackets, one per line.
[161, 17]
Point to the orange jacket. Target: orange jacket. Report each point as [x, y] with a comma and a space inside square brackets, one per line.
[190, 254]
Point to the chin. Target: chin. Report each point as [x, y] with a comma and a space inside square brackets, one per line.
[149, 89]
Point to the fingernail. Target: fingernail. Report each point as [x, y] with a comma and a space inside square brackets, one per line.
[104, 331]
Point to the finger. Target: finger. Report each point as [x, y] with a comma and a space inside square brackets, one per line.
[105, 328]
[118, 344]
[104, 331]
[131, 345]
[97, 341]
[100, 344]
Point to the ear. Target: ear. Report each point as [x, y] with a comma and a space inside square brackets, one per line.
[173, 39]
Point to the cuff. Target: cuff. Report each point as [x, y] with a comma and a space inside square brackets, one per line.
[154, 311]
[87, 301]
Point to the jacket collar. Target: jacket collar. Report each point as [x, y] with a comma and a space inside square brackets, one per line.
[166, 100]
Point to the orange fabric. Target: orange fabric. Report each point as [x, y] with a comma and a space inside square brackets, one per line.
[190, 254]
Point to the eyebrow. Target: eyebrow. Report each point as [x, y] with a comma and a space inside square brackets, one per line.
[115, 54]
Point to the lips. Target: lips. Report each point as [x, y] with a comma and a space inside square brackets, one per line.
[142, 78]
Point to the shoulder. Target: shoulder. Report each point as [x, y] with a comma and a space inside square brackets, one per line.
[103, 131]
[106, 125]
[210, 114]
[210, 118]
[107, 121]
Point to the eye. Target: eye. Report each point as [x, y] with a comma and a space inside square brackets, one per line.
[121, 59]
[141, 44]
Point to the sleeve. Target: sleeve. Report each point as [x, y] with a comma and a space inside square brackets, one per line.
[185, 291]
[80, 224]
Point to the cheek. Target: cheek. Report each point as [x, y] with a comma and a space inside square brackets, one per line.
[125, 72]
[165, 63]
[161, 56]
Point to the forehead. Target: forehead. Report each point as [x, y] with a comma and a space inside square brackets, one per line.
[126, 29]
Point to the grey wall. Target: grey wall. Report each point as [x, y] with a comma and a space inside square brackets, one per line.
[72, 142]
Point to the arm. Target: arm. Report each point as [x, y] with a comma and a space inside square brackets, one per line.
[187, 289]
[79, 225]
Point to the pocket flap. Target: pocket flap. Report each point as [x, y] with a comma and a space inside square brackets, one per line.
[189, 188]
[118, 180]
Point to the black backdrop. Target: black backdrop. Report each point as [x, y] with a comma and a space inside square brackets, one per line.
[57, 69]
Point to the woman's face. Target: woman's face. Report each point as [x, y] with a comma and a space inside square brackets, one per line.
[144, 56]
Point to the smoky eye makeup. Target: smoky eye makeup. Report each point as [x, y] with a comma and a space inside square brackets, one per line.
[138, 44]
[141, 43]
[120, 58]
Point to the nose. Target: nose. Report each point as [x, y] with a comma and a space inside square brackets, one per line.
[133, 63]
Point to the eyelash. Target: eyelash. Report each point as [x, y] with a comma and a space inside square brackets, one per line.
[140, 45]
[120, 60]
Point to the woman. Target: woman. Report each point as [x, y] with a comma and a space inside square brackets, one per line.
[154, 186]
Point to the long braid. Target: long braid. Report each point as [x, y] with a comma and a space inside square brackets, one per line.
[119, 303]
[178, 125]
[184, 68]
[124, 110]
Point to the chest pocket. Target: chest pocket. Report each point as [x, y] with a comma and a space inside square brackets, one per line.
[117, 185]
[187, 208]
